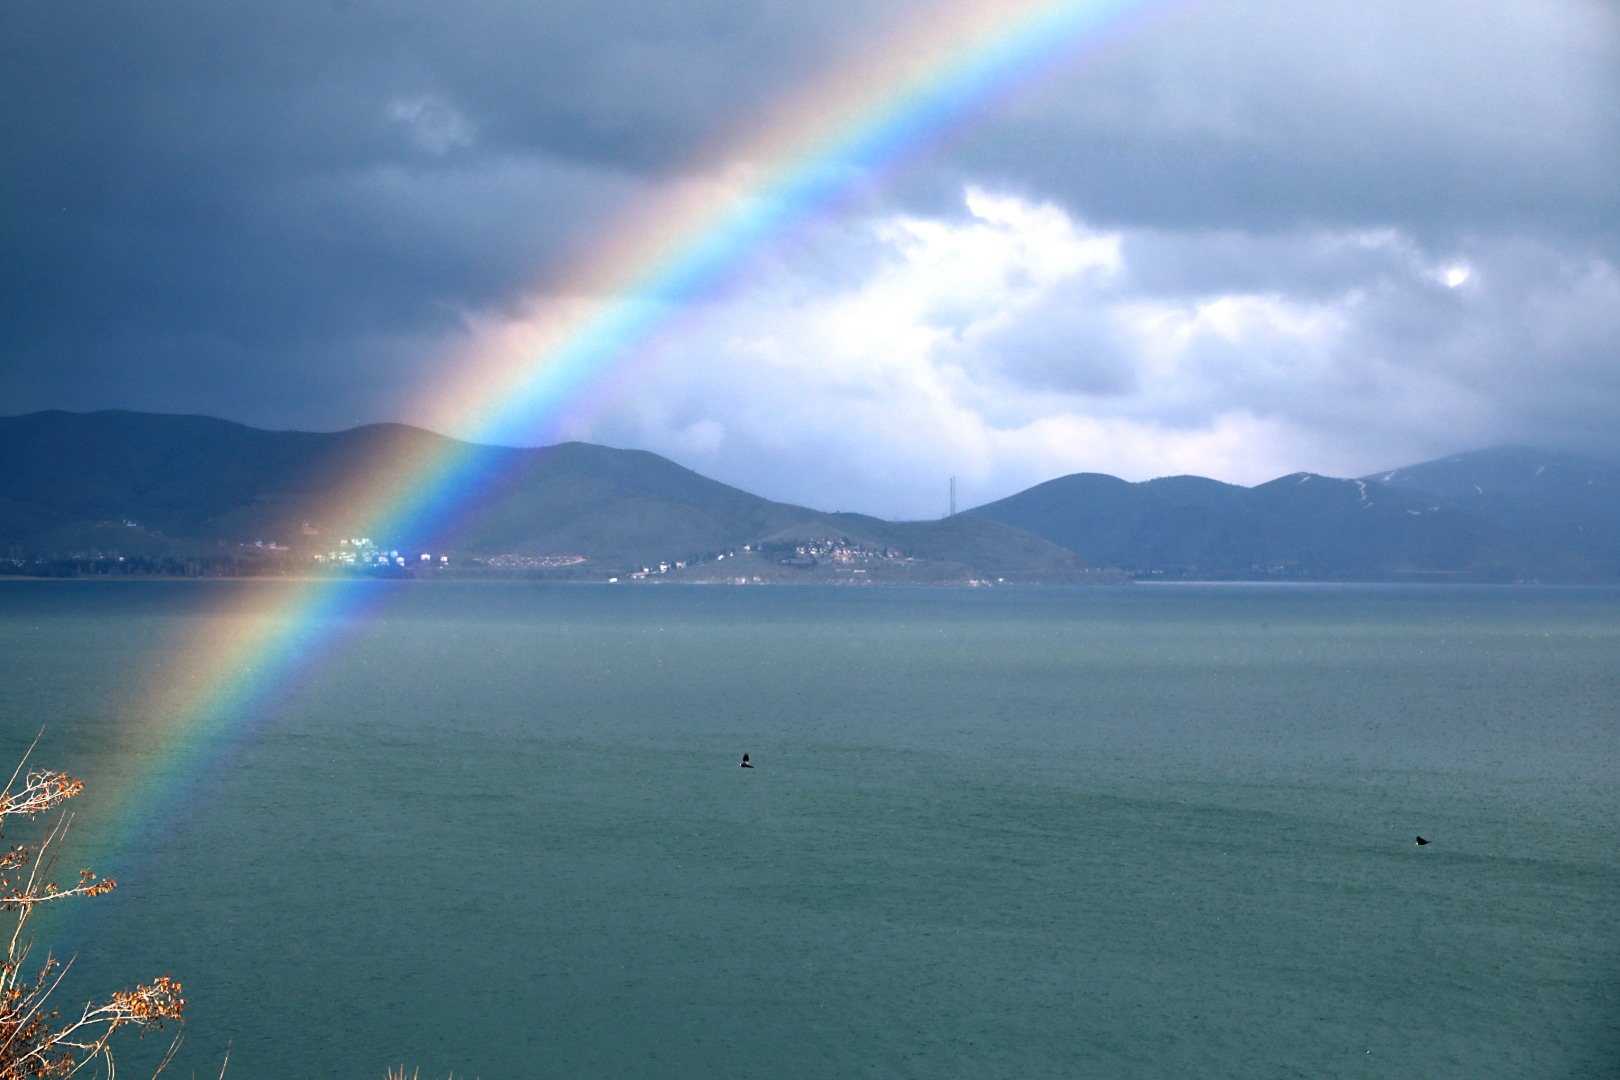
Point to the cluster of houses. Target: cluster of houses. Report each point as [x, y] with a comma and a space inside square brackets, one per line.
[842, 551]
[658, 568]
[360, 553]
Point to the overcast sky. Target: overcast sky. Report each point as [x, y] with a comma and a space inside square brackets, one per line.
[1244, 239]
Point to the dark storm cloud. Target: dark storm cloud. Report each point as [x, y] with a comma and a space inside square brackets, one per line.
[212, 191]
[1439, 117]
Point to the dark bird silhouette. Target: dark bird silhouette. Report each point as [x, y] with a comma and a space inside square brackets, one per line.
[749, 765]
[1421, 841]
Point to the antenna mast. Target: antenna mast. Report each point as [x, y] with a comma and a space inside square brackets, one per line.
[953, 498]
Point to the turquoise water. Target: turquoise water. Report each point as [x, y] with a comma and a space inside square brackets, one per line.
[1136, 832]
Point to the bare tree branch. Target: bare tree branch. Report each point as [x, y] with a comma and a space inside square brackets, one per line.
[35, 1042]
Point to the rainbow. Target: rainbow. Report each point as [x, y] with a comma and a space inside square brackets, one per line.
[802, 161]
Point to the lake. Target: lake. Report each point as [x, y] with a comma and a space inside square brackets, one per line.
[1152, 831]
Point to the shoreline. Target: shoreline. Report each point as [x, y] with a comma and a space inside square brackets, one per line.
[975, 585]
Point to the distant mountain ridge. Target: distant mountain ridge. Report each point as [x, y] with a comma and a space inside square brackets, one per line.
[191, 487]
[1570, 501]
[166, 488]
[1423, 522]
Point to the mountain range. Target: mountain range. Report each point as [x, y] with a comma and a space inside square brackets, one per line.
[94, 491]
[208, 495]
[1498, 515]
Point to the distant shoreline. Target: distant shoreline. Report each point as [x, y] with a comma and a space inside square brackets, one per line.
[1121, 581]
[586, 582]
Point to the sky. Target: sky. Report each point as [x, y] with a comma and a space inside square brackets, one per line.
[1236, 239]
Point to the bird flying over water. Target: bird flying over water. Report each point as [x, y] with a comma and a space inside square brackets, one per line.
[1421, 841]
